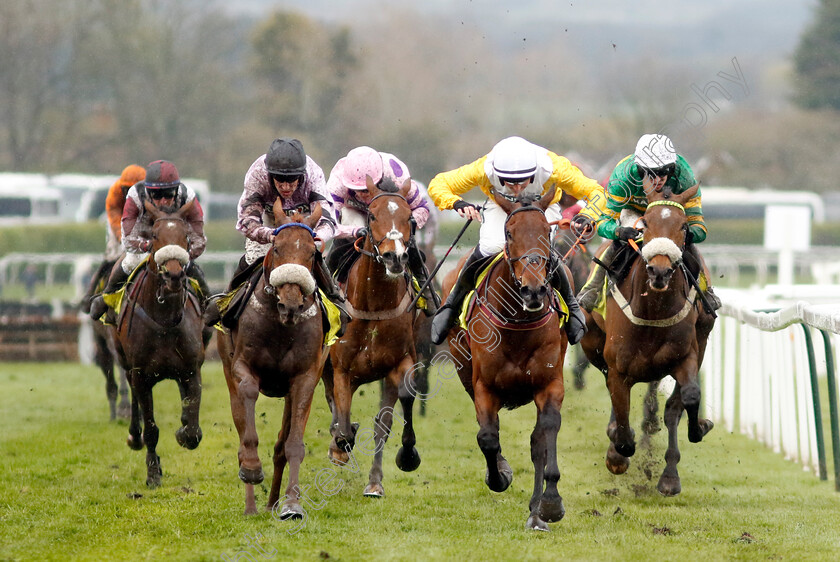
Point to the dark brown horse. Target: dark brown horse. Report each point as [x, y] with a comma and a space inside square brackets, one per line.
[655, 326]
[513, 354]
[277, 349]
[379, 341]
[160, 336]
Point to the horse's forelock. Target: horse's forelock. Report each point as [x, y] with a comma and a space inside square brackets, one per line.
[387, 185]
[661, 247]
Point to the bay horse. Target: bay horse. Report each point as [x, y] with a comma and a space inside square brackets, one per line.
[655, 326]
[513, 351]
[379, 340]
[277, 349]
[159, 335]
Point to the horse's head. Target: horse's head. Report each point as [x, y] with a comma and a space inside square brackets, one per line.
[528, 247]
[389, 224]
[170, 245]
[288, 265]
[665, 225]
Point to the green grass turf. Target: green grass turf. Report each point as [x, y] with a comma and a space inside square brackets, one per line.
[70, 488]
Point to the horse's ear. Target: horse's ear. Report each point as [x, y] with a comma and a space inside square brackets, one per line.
[154, 212]
[505, 204]
[280, 217]
[686, 195]
[314, 216]
[185, 209]
[405, 188]
[371, 186]
[545, 200]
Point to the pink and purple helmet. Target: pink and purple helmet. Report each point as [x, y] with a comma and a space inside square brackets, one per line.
[359, 163]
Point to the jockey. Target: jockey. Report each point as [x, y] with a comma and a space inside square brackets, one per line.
[348, 186]
[653, 166]
[163, 188]
[514, 167]
[287, 172]
[114, 204]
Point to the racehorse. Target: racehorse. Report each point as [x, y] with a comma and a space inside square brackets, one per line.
[277, 349]
[103, 355]
[379, 340]
[513, 351]
[159, 335]
[654, 326]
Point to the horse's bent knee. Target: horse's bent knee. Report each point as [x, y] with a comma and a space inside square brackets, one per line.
[690, 395]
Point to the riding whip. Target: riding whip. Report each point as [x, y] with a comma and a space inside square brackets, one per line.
[440, 263]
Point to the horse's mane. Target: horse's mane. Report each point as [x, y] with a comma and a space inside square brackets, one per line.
[528, 198]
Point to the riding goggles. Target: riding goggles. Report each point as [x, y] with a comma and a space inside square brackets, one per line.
[660, 172]
[162, 193]
[515, 181]
[283, 178]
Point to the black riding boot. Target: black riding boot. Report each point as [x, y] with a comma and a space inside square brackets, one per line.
[447, 314]
[327, 284]
[103, 270]
[588, 294]
[118, 277]
[576, 323]
[417, 265]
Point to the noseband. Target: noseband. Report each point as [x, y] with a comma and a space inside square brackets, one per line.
[376, 254]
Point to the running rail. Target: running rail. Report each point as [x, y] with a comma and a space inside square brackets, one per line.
[758, 355]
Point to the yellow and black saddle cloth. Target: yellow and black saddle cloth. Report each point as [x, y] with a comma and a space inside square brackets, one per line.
[119, 300]
[473, 302]
[233, 303]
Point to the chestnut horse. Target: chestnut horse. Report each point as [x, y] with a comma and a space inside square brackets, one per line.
[379, 341]
[160, 336]
[513, 354]
[277, 349]
[655, 326]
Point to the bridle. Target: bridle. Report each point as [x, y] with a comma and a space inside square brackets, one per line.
[392, 235]
[269, 288]
[161, 269]
[531, 258]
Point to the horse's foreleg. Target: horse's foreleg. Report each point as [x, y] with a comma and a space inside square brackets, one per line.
[143, 389]
[124, 407]
[546, 504]
[669, 482]
[295, 416]
[381, 430]
[621, 433]
[686, 376]
[499, 475]
[408, 459]
[189, 434]
[105, 361]
[242, 405]
[135, 437]
[342, 430]
[579, 367]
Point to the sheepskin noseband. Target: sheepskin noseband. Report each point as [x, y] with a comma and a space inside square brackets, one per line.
[661, 247]
[172, 252]
[293, 273]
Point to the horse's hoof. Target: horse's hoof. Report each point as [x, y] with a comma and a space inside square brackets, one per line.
[408, 459]
[153, 474]
[186, 440]
[251, 475]
[669, 485]
[124, 411]
[616, 463]
[374, 491]
[135, 443]
[552, 510]
[337, 456]
[505, 476]
[626, 449]
[534, 523]
[703, 427]
[291, 511]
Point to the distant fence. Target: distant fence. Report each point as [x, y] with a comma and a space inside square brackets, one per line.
[762, 369]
